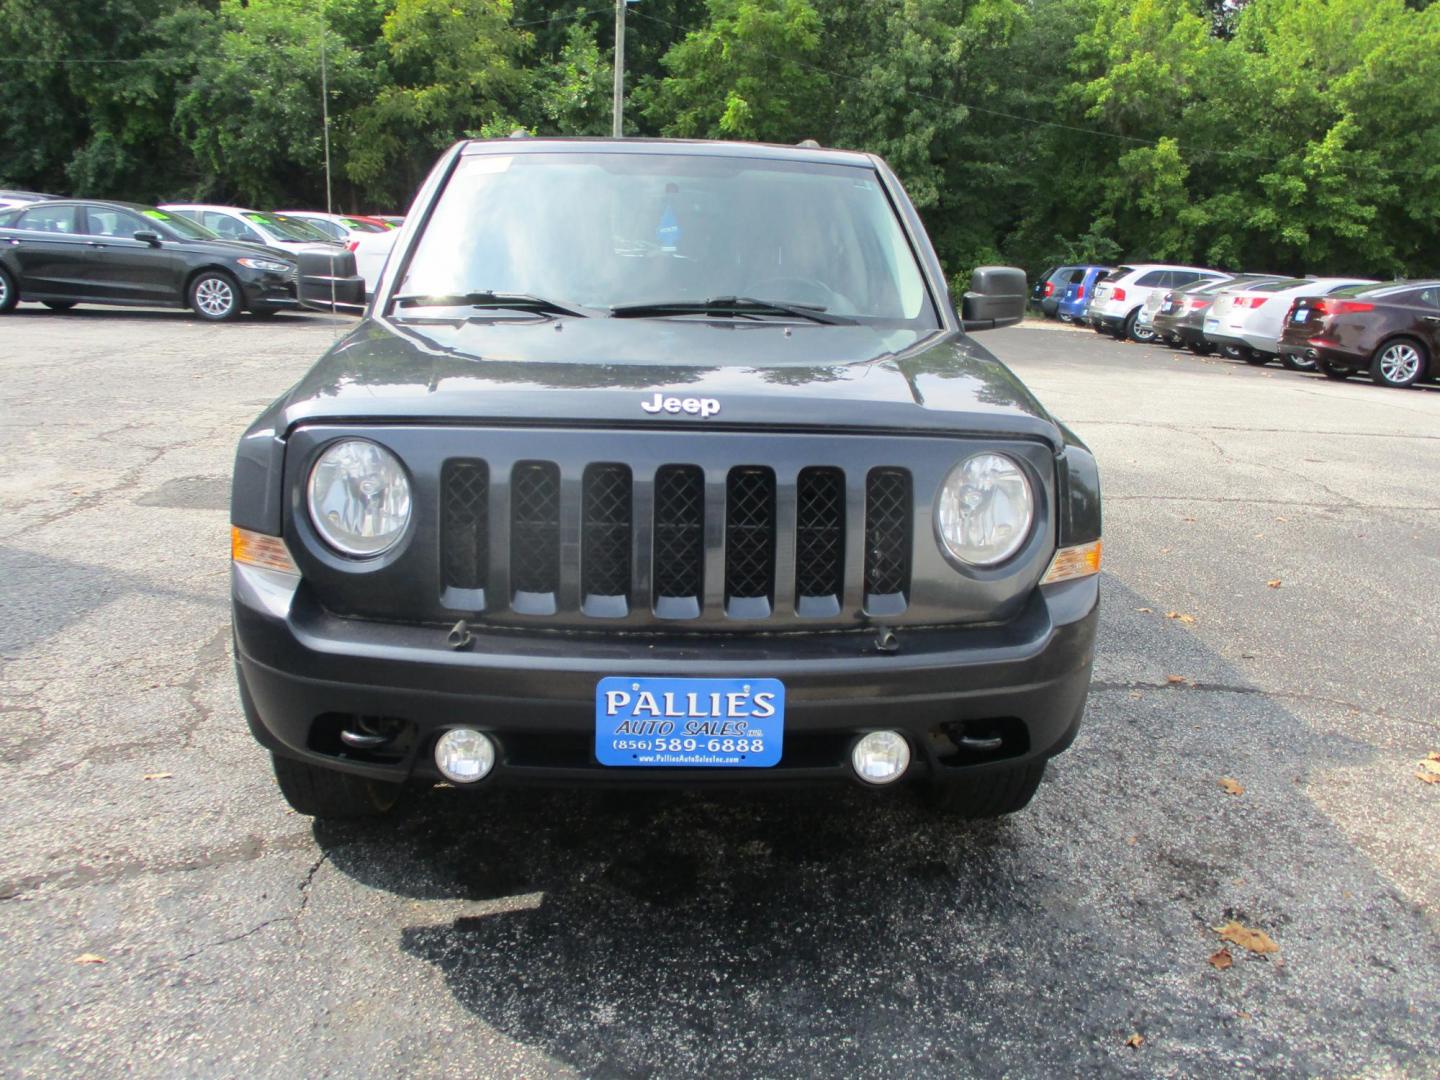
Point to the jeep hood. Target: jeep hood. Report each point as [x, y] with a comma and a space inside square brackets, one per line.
[599, 371]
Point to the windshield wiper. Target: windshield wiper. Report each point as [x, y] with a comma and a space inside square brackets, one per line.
[736, 305]
[487, 299]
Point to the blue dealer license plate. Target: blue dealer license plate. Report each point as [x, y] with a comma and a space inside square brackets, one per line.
[689, 723]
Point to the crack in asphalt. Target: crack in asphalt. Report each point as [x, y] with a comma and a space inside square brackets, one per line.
[304, 888]
[250, 849]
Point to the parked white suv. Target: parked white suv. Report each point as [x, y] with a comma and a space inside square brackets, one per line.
[1120, 295]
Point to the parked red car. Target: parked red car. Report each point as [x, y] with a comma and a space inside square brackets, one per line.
[1391, 331]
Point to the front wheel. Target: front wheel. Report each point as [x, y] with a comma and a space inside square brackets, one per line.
[1250, 356]
[1399, 364]
[215, 297]
[989, 794]
[9, 294]
[325, 793]
[1295, 362]
[59, 305]
[1339, 374]
[1202, 348]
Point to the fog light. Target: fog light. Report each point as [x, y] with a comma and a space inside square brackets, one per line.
[880, 757]
[464, 755]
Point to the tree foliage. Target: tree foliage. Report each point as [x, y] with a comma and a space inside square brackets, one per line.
[1287, 135]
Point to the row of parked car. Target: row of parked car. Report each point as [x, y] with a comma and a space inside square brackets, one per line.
[217, 260]
[1336, 325]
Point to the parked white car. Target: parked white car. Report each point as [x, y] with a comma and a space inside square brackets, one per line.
[1120, 296]
[340, 227]
[1251, 319]
[371, 250]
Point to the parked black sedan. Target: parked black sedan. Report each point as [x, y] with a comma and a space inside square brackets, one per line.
[70, 252]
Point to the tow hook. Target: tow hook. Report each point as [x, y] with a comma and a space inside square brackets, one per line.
[460, 636]
[885, 640]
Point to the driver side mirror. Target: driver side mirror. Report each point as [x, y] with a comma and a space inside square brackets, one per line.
[996, 298]
[148, 237]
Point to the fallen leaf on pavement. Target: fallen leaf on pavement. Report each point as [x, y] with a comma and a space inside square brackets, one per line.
[1180, 616]
[1274, 583]
[1257, 941]
[1146, 610]
[1176, 680]
[89, 958]
[1231, 787]
[1222, 960]
[1189, 519]
[1428, 777]
[1135, 1041]
[1165, 551]
[160, 776]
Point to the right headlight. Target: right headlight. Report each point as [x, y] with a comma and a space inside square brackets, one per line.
[359, 497]
[985, 509]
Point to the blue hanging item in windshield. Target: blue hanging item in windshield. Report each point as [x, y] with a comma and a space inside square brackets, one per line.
[667, 234]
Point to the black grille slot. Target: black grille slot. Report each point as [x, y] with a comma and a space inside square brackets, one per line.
[535, 527]
[679, 538]
[465, 524]
[605, 528]
[887, 539]
[750, 540]
[820, 534]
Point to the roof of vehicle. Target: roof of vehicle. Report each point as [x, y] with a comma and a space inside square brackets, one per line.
[696, 147]
[1390, 288]
[1131, 268]
[30, 196]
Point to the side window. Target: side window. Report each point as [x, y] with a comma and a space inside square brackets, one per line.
[1430, 297]
[1181, 278]
[329, 228]
[1076, 276]
[104, 221]
[1154, 279]
[228, 228]
[53, 219]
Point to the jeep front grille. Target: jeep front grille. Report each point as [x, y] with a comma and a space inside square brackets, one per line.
[887, 538]
[644, 537]
[679, 541]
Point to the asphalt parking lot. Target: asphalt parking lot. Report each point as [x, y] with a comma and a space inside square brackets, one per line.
[1270, 603]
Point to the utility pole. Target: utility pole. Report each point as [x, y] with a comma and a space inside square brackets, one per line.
[617, 126]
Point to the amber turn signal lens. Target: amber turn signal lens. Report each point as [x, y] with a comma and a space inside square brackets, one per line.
[257, 549]
[1079, 561]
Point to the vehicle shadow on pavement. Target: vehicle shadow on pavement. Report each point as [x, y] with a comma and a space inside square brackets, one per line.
[841, 933]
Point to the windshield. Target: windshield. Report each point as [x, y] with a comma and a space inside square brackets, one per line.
[609, 230]
[287, 228]
[180, 226]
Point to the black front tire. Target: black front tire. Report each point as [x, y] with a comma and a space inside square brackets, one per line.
[1200, 349]
[9, 291]
[1251, 357]
[1339, 374]
[59, 305]
[990, 794]
[325, 793]
[1299, 363]
[215, 296]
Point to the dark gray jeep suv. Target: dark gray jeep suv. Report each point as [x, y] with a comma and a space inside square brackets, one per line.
[664, 463]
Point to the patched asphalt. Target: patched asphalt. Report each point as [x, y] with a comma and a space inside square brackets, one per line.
[676, 935]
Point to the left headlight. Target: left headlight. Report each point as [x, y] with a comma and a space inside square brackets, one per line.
[359, 497]
[985, 509]
[265, 264]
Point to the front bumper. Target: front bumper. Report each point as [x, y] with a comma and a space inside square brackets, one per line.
[304, 674]
[263, 290]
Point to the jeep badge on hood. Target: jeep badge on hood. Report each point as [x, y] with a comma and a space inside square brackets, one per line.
[701, 407]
